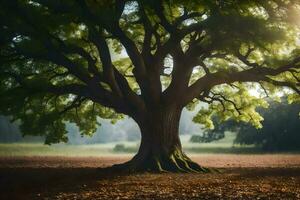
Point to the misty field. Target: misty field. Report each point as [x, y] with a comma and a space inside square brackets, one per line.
[225, 145]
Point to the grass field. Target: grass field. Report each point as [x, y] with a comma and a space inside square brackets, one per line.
[38, 149]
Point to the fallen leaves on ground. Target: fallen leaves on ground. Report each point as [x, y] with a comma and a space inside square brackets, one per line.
[48, 182]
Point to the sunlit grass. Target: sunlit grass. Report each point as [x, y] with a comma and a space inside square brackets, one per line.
[108, 149]
[38, 149]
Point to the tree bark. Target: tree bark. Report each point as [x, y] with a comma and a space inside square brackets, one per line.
[160, 149]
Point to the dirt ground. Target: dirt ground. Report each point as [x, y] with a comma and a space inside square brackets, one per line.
[240, 177]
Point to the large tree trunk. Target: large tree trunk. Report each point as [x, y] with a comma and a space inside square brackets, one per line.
[160, 149]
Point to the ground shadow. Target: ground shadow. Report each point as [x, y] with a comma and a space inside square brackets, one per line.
[46, 183]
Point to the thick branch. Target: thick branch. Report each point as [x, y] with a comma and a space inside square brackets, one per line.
[250, 75]
[105, 57]
[181, 74]
[132, 51]
[149, 31]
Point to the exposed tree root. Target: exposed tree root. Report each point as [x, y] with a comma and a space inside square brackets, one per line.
[175, 162]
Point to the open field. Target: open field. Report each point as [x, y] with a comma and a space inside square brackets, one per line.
[38, 149]
[241, 177]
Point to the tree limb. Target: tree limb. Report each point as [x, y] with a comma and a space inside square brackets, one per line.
[250, 75]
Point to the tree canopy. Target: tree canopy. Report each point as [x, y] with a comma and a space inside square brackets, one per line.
[76, 60]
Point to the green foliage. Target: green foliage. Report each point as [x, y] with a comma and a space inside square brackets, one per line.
[220, 127]
[119, 148]
[205, 138]
[280, 130]
[238, 105]
[76, 61]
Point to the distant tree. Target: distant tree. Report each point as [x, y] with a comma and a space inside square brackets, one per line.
[59, 64]
[9, 132]
[280, 131]
[217, 133]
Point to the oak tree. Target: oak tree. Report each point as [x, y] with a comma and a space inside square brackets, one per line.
[77, 60]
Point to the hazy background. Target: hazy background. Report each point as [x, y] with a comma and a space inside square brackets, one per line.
[124, 130]
[280, 133]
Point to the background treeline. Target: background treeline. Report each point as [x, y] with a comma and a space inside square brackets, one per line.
[280, 131]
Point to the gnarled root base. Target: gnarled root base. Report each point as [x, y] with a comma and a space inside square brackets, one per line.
[175, 162]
